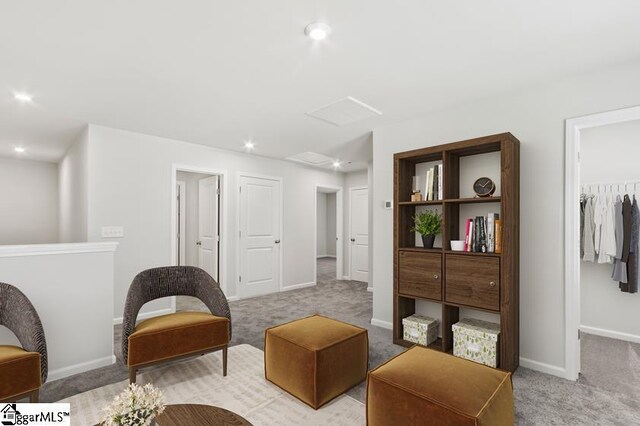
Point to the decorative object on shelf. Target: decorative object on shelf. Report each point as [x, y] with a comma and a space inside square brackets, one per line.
[419, 329]
[135, 406]
[457, 245]
[428, 224]
[484, 187]
[416, 195]
[476, 340]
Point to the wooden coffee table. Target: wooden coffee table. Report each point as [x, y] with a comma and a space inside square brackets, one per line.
[198, 415]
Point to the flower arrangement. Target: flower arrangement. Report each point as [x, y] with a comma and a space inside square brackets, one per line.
[135, 406]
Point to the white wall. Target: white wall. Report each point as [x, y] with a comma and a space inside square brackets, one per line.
[29, 212]
[609, 154]
[71, 288]
[331, 224]
[73, 199]
[535, 115]
[192, 214]
[352, 180]
[130, 185]
[321, 224]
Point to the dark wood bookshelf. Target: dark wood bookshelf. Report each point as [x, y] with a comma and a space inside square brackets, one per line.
[487, 282]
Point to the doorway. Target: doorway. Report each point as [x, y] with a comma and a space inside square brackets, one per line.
[328, 234]
[198, 221]
[260, 234]
[359, 233]
[596, 305]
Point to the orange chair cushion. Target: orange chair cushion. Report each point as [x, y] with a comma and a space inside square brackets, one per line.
[424, 386]
[316, 358]
[173, 335]
[19, 371]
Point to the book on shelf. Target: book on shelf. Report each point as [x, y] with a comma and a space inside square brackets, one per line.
[440, 175]
[481, 234]
[491, 240]
[498, 236]
[433, 184]
[467, 235]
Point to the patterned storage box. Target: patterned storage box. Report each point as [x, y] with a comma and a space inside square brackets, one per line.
[477, 341]
[420, 330]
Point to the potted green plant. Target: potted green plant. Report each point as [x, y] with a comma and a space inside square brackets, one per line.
[428, 224]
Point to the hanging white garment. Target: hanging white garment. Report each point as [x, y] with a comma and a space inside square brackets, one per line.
[597, 220]
[609, 224]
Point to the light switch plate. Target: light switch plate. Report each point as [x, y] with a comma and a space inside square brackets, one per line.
[388, 204]
[112, 232]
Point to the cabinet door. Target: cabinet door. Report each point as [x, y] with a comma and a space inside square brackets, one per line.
[473, 281]
[420, 274]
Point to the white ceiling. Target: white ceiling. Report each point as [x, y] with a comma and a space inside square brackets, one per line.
[221, 72]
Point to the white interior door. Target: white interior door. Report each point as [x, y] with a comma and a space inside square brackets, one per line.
[208, 229]
[181, 222]
[359, 230]
[260, 234]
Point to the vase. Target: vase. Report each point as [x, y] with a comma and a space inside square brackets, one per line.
[427, 241]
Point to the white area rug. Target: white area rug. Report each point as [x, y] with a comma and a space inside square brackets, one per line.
[244, 391]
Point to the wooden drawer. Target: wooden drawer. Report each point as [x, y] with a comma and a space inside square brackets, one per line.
[420, 274]
[473, 281]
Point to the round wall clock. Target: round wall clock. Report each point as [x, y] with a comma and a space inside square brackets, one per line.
[484, 187]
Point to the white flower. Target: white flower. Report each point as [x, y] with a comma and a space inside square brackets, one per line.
[135, 406]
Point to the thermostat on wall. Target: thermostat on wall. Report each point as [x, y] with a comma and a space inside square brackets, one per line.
[388, 204]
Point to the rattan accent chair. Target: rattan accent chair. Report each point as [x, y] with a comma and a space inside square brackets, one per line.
[23, 369]
[178, 335]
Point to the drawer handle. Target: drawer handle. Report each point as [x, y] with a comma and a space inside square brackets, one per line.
[492, 284]
[435, 276]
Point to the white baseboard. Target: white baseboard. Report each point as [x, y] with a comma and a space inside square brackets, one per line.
[297, 286]
[347, 278]
[553, 370]
[233, 299]
[383, 324]
[63, 372]
[146, 315]
[610, 333]
[370, 289]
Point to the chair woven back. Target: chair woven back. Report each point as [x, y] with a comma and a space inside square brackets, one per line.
[169, 281]
[18, 315]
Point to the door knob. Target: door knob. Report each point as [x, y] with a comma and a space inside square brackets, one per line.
[353, 240]
[435, 276]
[277, 241]
[492, 284]
[199, 243]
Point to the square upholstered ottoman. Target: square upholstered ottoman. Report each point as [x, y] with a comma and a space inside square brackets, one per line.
[316, 358]
[425, 387]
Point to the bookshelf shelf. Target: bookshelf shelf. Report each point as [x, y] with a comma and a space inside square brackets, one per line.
[474, 200]
[455, 280]
[420, 203]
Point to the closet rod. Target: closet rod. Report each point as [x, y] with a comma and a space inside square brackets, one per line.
[621, 186]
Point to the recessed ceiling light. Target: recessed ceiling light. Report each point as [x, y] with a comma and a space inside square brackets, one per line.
[336, 164]
[249, 145]
[19, 149]
[317, 31]
[22, 97]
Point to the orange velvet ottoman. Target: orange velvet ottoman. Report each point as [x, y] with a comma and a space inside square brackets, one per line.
[316, 358]
[426, 387]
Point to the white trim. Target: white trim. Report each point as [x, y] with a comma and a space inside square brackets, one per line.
[147, 315]
[325, 255]
[553, 370]
[370, 289]
[610, 334]
[346, 277]
[239, 176]
[339, 191]
[224, 228]
[71, 370]
[51, 249]
[298, 286]
[573, 128]
[233, 299]
[384, 324]
[183, 221]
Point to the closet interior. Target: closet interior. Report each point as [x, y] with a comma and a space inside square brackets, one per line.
[609, 252]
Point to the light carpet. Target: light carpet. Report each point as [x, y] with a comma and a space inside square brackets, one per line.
[244, 391]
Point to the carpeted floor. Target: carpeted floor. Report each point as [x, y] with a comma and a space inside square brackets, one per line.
[606, 394]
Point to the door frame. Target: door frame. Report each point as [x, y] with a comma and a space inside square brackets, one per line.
[349, 277]
[222, 266]
[239, 176]
[573, 127]
[183, 220]
[339, 230]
